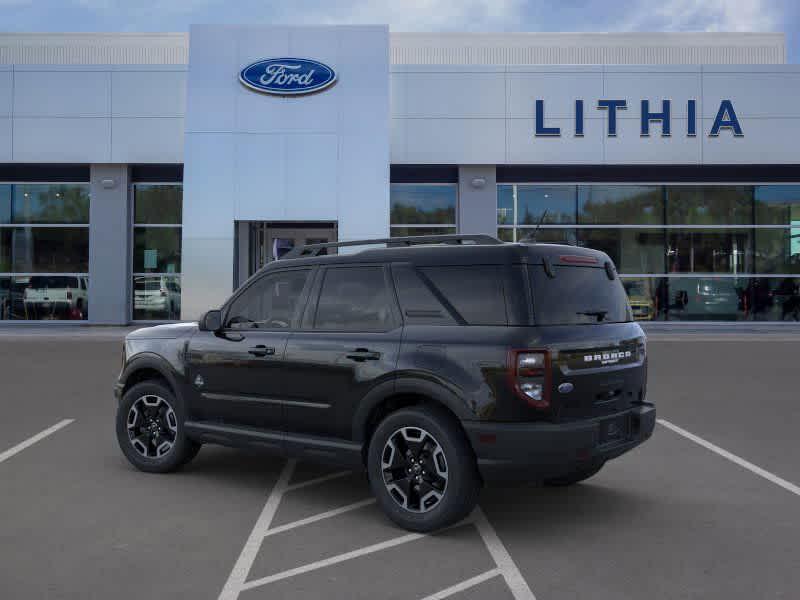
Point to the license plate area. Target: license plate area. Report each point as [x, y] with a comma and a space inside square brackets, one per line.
[614, 430]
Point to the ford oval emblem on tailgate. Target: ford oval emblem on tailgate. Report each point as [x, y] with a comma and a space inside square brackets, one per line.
[565, 388]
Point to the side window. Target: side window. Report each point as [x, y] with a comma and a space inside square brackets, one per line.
[418, 303]
[475, 292]
[354, 299]
[270, 303]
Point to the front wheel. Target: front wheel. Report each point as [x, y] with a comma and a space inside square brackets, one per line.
[150, 429]
[422, 469]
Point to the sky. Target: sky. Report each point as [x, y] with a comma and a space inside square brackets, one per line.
[413, 15]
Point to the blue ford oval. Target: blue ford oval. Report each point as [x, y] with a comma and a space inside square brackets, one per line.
[287, 76]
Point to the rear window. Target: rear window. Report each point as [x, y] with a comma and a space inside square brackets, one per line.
[578, 296]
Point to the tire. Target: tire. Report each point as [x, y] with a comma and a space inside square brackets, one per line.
[441, 454]
[575, 476]
[163, 447]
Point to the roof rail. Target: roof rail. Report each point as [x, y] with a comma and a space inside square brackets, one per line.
[476, 239]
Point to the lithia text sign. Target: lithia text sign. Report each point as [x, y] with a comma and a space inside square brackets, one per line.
[725, 120]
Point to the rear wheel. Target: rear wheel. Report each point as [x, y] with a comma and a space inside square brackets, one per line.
[150, 429]
[422, 469]
[575, 476]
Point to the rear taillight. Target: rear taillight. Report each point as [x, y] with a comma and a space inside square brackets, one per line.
[529, 375]
[69, 294]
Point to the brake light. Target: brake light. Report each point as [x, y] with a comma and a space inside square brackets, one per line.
[575, 259]
[529, 376]
[69, 294]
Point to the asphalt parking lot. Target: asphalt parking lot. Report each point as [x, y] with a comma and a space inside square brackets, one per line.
[708, 508]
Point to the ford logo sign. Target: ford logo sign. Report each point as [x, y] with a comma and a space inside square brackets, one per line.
[287, 76]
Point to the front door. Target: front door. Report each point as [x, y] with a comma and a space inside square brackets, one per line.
[236, 372]
[348, 344]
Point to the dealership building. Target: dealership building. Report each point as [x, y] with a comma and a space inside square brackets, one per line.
[143, 177]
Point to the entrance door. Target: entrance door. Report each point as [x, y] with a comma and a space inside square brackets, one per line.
[272, 241]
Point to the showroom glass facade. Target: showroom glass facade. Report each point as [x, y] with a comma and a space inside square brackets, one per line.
[423, 208]
[156, 284]
[44, 251]
[684, 252]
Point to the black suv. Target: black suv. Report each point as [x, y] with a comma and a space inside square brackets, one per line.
[436, 363]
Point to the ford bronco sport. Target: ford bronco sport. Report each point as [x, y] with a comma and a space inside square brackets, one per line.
[435, 363]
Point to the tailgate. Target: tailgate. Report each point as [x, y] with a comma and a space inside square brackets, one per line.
[597, 370]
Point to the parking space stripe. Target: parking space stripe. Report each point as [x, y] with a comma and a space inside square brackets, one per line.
[506, 565]
[333, 560]
[319, 517]
[235, 584]
[33, 439]
[324, 478]
[771, 477]
[464, 585]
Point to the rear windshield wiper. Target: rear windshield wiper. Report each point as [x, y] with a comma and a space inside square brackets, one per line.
[599, 314]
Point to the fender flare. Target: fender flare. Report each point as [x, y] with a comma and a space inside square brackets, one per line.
[148, 360]
[416, 385]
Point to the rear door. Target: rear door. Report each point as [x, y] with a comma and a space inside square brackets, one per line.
[349, 343]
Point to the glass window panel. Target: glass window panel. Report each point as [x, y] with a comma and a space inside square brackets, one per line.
[413, 204]
[354, 299]
[709, 205]
[777, 205]
[158, 204]
[5, 203]
[410, 231]
[709, 251]
[778, 250]
[156, 297]
[157, 249]
[558, 201]
[708, 299]
[272, 302]
[44, 298]
[505, 204]
[574, 293]
[775, 299]
[621, 204]
[505, 234]
[47, 203]
[44, 249]
[632, 250]
[647, 297]
[475, 292]
[549, 236]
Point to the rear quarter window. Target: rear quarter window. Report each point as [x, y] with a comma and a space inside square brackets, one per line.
[475, 292]
[578, 296]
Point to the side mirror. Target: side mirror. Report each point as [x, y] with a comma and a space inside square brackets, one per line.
[211, 321]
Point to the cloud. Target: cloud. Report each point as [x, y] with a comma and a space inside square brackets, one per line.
[415, 15]
[704, 15]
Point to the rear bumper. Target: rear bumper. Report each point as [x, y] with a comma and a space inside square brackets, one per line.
[536, 451]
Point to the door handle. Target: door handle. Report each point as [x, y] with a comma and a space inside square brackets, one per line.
[261, 350]
[362, 354]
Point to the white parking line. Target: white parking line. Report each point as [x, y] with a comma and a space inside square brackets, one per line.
[33, 439]
[788, 486]
[326, 562]
[464, 585]
[320, 517]
[508, 568]
[235, 584]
